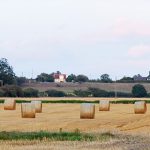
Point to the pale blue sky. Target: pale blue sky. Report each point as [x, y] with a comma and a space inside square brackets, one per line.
[88, 37]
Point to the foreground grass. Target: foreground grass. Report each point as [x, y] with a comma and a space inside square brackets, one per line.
[55, 136]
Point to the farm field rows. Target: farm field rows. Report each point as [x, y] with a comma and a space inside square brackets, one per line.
[121, 118]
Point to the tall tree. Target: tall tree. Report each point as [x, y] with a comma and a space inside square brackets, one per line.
[105, 78]
[43, 77]
[71, 78]
[82, 78]
[6, 72]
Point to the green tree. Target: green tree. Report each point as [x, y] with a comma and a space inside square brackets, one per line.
[105, 78]
[71, 78]
[138, 90]
[43, 77]
[82, 78]
[21, 80]
[6, 72]
[30, 92]
[126, 80]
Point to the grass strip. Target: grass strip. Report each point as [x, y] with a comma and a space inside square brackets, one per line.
[54, 136]
[82, 101]
[79, 101]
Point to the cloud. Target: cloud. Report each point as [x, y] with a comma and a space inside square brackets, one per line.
[125, 27]
[139, 50]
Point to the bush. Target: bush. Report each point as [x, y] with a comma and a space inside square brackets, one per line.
[21, 80]
[121, 94]
[98, 93]
[102, 93]
[138, 90]
[30, 92]
[12, 91]
[55, 93]
[81, 93]
[2, 93]
[42, 94]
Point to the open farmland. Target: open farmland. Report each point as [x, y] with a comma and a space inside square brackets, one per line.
[124, 130]
[67, 116]
[70, 87]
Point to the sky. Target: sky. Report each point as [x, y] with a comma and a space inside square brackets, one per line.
[90, 37]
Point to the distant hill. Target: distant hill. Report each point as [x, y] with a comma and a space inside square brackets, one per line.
[70, 87]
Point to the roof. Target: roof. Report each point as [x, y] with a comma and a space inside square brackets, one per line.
[139, 78]
[57, 76]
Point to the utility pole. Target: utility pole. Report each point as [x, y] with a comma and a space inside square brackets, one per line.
[116, 87]
[32, 74]
[22, 74]
[1, 83]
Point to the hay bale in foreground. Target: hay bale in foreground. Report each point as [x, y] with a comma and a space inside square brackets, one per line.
[9, 104]
[87, 111]
[104, 105]
[38, 106]
[140, 107]
[28, 110]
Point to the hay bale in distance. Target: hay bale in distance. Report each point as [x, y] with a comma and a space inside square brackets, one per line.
[28, 110]
[9, 104]
[87, 111]
[38, 106]
[140, 107]
[104, 105]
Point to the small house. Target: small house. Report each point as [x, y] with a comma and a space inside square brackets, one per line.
[58, 77]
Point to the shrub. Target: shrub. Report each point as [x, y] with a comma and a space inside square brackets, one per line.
[30, 92]
[81, 93]
[138, 90]
[102, 93]
[55, 93]
[2, 93]
[21, 80]
[98, 93]
[12, 91]
[121, 94]
[42, 94]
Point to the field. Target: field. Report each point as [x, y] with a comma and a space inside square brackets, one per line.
[128, 128]
[70, 87]
[67, 116]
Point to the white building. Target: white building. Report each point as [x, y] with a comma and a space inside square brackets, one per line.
[59, 78]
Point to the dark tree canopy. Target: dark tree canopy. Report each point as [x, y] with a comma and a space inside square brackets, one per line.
[138, 90]
[71, 78]
[21, 80]
[6, 72]
[82, 78]
[105, 78]
[43, 77]
[126, 80]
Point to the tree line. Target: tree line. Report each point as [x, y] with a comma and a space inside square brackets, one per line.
[7, 76]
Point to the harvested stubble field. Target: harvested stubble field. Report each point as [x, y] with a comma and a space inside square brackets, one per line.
[120, 119]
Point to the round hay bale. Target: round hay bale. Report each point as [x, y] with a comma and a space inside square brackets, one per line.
[87, 111]
[104, 105]
[140, 107]
[9, 104]
[38, 106]
[28, 110]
